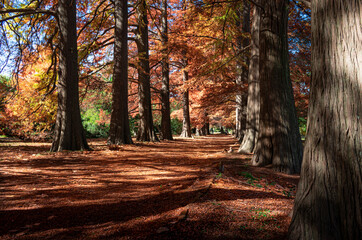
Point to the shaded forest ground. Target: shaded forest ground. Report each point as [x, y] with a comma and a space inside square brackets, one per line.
[167, 190]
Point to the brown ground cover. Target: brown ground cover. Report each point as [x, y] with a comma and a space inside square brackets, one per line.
[166, 190]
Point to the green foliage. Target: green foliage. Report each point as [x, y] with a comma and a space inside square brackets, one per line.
[260, 213]
[250, 178]
[302, 126]
[96, 113]
[133, 124]
[176, 126]
[248, 175]
[5, 89]
[92, 124]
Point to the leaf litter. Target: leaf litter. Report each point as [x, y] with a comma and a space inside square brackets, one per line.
[165, 190]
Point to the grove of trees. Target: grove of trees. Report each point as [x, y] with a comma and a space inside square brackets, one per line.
[151, 69]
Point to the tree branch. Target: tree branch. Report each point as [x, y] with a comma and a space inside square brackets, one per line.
[25, 11]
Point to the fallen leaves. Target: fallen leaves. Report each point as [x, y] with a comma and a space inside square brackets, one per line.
[166, 190]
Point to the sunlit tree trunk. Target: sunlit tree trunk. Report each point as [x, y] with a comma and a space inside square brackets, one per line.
[329, 198]
[242, 70]
[186, 123]
[145, 127]
[119, 132]
[253, 105]
[69, 132]
[166, 131]
[279, 141]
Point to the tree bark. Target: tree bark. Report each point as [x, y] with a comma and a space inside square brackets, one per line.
[186, 123]
[279, 141]
[69, 132]
[242, 71]
[119, 132]
[329, 197]
[145, 128]
[253, 104]
[166, 131]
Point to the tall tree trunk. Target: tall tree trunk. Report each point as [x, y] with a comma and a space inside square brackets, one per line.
[69, 132]
[279, 140]
[145, 128]
[329, 198]
[253, 104]
[119, 132]
[186, 123]
[166, 131]
[242, 70]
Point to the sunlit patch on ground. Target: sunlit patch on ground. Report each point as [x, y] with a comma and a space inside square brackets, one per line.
[166, 190]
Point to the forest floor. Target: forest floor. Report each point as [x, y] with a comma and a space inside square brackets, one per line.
[165, 190]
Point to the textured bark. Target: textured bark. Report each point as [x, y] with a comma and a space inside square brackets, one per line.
[166, 131]
[69, 132]
[145, 127]
[253, 104]
[329, 198]
[279, 141]
[119, 132]
[242, 70]
[186, 123]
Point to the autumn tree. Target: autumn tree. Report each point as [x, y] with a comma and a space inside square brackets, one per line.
[166, 132]
[119, 132]
[186, 122]
[145, 128]
[299, 35]
[243, 22]
[328, 201]
[253, 104]
[279, 141]
[68, 132]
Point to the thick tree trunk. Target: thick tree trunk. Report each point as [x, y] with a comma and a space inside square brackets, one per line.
[69, 132]
[166, 131]
[279, 140]
[329, 198]
[145, 127]
[242, 70]
[207, 127]
[119, 132]
[186, 123]
[253, 103]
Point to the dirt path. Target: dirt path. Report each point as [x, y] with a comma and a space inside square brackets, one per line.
[167, 190]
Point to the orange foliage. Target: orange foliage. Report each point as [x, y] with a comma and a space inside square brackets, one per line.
[30, 110]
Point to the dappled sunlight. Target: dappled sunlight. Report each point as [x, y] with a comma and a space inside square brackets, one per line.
[137, 190]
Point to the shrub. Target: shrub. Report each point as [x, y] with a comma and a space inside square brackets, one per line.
[93, 125]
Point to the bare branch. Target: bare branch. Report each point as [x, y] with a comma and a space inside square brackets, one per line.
[24, 11]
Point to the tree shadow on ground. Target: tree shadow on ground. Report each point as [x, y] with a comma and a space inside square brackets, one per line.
[126, 194]
[48, 218]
